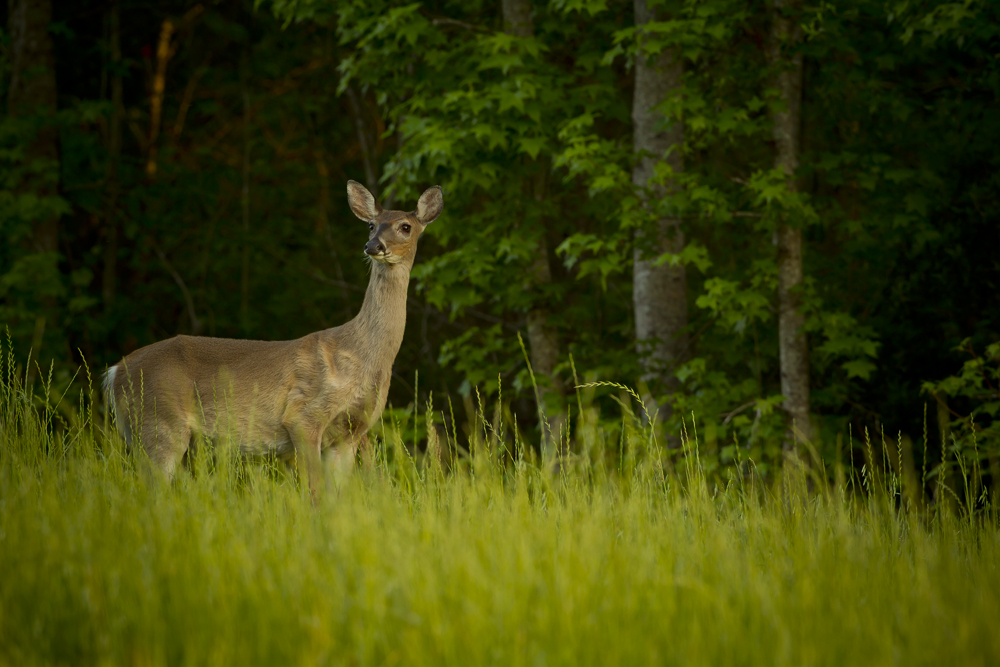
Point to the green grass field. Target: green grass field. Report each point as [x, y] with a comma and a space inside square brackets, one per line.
[615, 561]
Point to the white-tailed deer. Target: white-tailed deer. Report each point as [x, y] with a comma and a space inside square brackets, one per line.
[309, 399]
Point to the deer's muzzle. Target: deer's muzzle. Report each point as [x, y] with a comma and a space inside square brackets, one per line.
[375, 247]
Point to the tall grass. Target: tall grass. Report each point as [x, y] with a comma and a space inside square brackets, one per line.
[622, 556]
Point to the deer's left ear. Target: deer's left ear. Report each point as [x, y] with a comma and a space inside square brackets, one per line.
[430, 205]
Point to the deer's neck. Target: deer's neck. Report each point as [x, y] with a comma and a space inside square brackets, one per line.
[379, 325]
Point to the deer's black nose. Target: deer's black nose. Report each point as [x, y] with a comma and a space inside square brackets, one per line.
[374, 247]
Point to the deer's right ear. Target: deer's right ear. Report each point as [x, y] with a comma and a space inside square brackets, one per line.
[362, 202]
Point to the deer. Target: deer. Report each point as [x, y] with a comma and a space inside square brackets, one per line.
[310, 401]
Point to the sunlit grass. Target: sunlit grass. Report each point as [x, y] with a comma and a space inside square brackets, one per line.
[485, 558]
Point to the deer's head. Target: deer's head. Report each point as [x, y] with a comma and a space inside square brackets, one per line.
[393, 235]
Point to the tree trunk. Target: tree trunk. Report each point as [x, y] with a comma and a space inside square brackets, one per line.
[542, 338]
[32, 96]
[659, 293]
[517, 19]
[786, 60]
[110, 270]
[33, 93]
[368, 158]
[245, 194]
[164, 52]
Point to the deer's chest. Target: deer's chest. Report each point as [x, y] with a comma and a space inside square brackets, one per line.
[358, 410]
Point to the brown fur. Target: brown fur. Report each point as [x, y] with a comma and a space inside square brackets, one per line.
[302, 399]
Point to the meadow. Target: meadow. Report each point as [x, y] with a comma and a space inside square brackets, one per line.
[476, 554]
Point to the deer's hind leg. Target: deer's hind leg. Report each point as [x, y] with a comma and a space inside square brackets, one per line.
[165, 439]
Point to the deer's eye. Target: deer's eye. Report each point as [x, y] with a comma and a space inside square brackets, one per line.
[371, 227]
[405, 228]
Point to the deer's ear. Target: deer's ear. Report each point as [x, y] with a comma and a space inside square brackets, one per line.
[430, 205]
[362, 202]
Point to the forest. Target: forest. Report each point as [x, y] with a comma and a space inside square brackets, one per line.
[777, 222]
[701, 360]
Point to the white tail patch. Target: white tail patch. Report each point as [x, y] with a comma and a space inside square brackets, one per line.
[109, 384]
[109, 396]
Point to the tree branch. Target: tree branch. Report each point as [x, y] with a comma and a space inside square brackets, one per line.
[461, 24]
[195, 322]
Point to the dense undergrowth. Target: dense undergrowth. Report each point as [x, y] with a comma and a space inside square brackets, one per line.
[623, 553]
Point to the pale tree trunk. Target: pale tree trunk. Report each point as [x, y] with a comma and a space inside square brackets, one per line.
[517, 19]
[32, 94]
[659, 293]
[542, 339]
[786, 60]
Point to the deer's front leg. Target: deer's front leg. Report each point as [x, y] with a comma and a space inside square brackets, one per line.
[339, 459]
[307, 441]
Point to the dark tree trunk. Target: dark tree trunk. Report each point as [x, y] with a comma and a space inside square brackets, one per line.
[32, 97]
[110, 271]
[33, 94]
[245, 194]
[786, 60]
[365, 145]
[659, 293]
[542, 338]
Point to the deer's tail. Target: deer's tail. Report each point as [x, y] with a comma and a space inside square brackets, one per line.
[120, 420]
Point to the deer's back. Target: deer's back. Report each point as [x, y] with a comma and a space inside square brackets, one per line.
[200, 359]
[199, 378]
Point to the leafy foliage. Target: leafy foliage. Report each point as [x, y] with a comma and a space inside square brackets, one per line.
[268, 108]
[974, 397]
